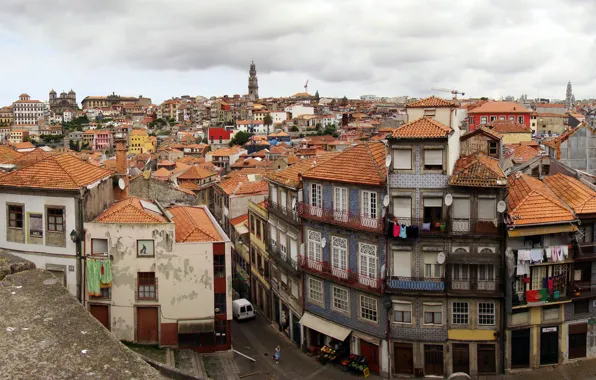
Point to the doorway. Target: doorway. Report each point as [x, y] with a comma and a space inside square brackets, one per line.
[371, 353]
[101, 313]
[296, 329]
[147, 325]
[404, 358]
[433, 359]
[577, 340]
[549, 345]
[461, 358]
[520, 348]
[487, 362]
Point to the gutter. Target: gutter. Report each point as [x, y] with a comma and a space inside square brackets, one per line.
[79, 227]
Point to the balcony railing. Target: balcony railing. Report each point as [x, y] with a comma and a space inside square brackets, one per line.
[587, 251]
[281, 257]
[491, 227]
[440, 227]
[416, 284]
[341, 218]
[284, 212]
[346, 276]
[467, 284]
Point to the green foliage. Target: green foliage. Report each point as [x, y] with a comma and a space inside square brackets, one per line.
[268, 120]
[240, 138]
[158, 123]
[163, 133]
[52, 138]
[294, 129]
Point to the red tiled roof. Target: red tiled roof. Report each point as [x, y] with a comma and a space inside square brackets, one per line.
[523, 153]
[61, 172]
[130, 211]
[499, 107]
[162, 172]
[193, 225]
[290, 176]
[239, 219]
[508, 126]
[362, 164]
[422, 128]
[431, 102]
[577, 195]
[8, 154]
[478, 170]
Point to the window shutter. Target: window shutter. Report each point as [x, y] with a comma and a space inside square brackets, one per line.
[433, 202]
[402, 159]
[433, 157]
[487, 208]
[461, 208]
[402, 266]
[402, 207]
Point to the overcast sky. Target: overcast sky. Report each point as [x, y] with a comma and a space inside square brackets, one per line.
[166, 48]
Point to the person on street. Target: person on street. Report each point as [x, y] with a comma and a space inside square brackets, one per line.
[277, 354]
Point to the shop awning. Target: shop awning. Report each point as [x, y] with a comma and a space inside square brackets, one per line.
[325, 327]
[241, 229]
[196, 327]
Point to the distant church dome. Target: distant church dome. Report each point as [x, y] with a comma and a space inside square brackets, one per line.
[53, 92]
[71, 92]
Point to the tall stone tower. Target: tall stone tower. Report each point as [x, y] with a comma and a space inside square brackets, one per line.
[569, 97]
[253, 83]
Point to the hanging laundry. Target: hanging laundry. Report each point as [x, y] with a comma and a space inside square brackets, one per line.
[106, 274]
[412, 232]
[543, 294]
[521, 268]
[548, 250]
[523, 255]
[565, 251]
[550, 284]
[93, 277]
[536, 255]
[396, 229]
[532, 296]
[402, 232]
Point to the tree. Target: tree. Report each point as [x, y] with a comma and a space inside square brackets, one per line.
[317, 97]
[318, 126]
[240, 138]
[344, 101]
[268, 121]
[330, 129]
[294, 129]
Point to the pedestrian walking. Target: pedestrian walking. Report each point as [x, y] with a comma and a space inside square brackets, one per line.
[277, 354]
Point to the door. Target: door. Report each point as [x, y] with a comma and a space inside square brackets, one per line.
[433, 359]
[371, 353]
[549, 345]
[101, 313]
[340, 204]
[296, 329]
[147, 325]
[404, 358]
[577, 340]
[520, 348]
[486, 358]
[461, 358]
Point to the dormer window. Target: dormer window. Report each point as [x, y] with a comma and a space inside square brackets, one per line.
[430, 111]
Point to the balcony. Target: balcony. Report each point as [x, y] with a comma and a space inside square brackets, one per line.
[355, 221]
[282, 258]
[344, 276]
[286, 213]
[557, 294]
[416, 284]
[486, 227]
[473, 284]
[586, 251]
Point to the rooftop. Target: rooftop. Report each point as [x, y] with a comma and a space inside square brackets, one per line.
[290, 176]
[499, 107]
[132, 210]
[423, 128]
[431, 102]
[193, 224]
[577, 195]
[478, 170]
[508, 126]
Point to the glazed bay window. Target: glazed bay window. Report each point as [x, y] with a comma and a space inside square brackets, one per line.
[146, 286]
[55, 218]
[433, 159]
[402, 159]
[15, 216]
[368, 308]
[402, 312]
[460, 313]
[315, 290]
[433, 313]
[486, 313]
[340, 298]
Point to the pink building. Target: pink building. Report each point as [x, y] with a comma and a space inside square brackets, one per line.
[102, 139]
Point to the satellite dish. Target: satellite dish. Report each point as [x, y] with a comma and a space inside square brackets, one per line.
[386, 200]
[501, 207]
[121, 184]
[440, 258]
[388, 160]
[448, 199]
[323, 242]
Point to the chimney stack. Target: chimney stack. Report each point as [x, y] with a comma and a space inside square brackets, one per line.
[121, 167]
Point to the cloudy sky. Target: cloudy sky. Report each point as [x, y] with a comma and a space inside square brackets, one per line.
[165, 48]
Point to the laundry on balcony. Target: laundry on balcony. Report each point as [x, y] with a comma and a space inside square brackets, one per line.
[401, 229]
[99, 275]
[557, 253]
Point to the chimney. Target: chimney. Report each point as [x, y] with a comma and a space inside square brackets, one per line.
[121, 192]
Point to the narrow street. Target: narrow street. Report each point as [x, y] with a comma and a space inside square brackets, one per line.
[258, 339]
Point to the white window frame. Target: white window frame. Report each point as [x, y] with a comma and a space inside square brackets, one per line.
[367, 262]
[316, 195]
[460, 315]
[369, 308]
[405, 308]
[341, 203]
[493, 118]
[520, 119]
[369, 204]
[339, 253]
[435, 164]
[483, 119]
[314, 293]
[337, 299]
[432, 309]
[314, 248]
[487, 314]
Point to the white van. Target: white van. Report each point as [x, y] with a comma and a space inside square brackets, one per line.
[242, 309]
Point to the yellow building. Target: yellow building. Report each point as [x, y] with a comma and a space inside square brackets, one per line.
[6, 116]
[513, 133]
[140, 142]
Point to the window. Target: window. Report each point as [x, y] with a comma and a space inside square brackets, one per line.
[460, 271]
[15, 216]
[486, 313]
[219, 266]
[501, 117]
[315, 290]
[538, 275]
[581, 307]
[274, 194]
[483, 119]
[314, 246]
[368, 308]
[433, 314]
[512, 118]
[340, 299]
[55, 219]
[432, 269]
[520, 119]
[340, 204]
[220, 300]
[402, 159]
[492, 148]
[220, 332]
[487, 208]
[369, 204]
[368, 260]
[430, 111]
[402, 266]
[295, 291]
[402, 312]
[99, 246]
[402, 209]
[433, 159]
[147, 284]
[460, 313]
[316, 195]
[493, 118]
[433, 211]
[339, 253]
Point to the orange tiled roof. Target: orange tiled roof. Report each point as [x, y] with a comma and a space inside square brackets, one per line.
[189, 185]
[195, 173]
[422, 128]
[530, 201]
[431, 101]
[193, 225]
[162, 172]
[478, 170]
[8, 154]
[239, 219]
[62, 172]
[290, 176]
[508, 126]
[165, 163]
[577, 195]
[240, 184]
[499, 107]
[130, 211]
[363, 164]
[523, 153]
[24, 145]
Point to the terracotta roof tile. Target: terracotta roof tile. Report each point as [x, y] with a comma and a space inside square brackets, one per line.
[422, 128]
[499, 107]
[508, 126]
[30, 158]
[530, 201]
[240, 184]
[577, 195]
[130, 211]
[290, 176]
[24, 145]
[189, 185]
[193, 225]
[239, 219]
[478, 170]
[431, 101]
[64, 172]
[163, 172]
[196, 173]
[8, 155]
[362, 164]
[523, 153]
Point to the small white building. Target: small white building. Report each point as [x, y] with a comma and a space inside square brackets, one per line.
[300, 109]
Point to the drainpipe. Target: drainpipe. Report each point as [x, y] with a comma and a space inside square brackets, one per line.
[79, 229]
